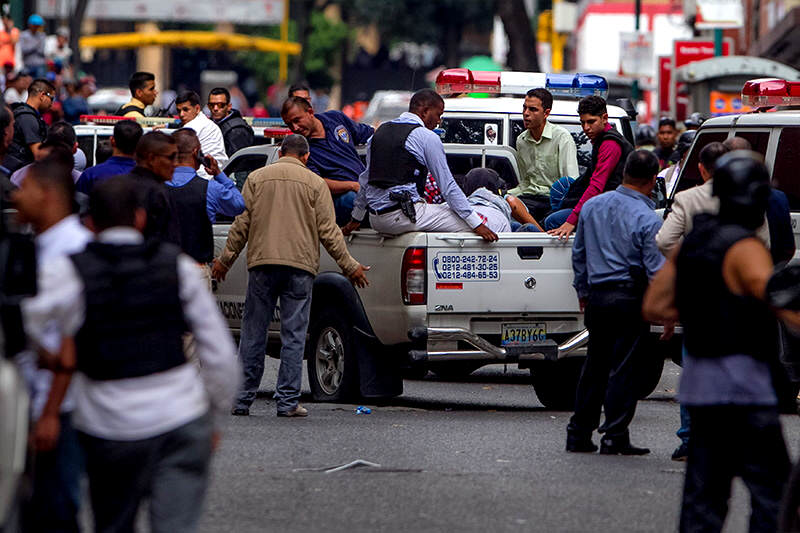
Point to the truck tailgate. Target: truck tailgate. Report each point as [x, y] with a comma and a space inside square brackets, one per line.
[521, 272]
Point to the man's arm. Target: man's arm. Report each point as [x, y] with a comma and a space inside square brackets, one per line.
[48, 427]
[747, 267]
[659, 299]
[222, 196]
[581, 280]
[674, 227]
[361, 132]
[341, 186]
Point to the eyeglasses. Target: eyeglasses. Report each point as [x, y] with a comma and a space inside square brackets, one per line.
[216, 104]
[49, 95]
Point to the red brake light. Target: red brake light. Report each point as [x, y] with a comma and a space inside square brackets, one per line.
[413, 277]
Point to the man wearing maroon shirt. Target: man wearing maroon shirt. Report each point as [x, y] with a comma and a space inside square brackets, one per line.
[610, 150]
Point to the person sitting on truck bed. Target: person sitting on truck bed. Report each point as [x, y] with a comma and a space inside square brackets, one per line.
[609, 152]
[399, 156]
[486, 191]
[545, 152]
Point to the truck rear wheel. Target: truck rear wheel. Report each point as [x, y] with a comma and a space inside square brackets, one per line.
[555, 382]
[331, 360]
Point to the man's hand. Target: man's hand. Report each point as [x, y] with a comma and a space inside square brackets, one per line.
[355, 187]
[359, 277]
[486, 233]
[213, 168]
[669, 331]
[218, 270]
[350, 227]
[45, 433]
[563, 231]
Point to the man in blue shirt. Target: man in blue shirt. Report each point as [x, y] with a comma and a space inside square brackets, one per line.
[123, 145]
[613, 256]
[333, 138]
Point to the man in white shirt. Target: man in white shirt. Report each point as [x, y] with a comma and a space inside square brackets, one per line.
[143, 412]
[44, 201]
[211, 141]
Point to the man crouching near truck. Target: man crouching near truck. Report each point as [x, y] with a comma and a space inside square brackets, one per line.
[399, 156]
[288, 212]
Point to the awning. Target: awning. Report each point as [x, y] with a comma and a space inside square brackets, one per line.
[732, 66]
[191, 39]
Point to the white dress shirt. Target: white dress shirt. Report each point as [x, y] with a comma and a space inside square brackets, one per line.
[147, 406]
[211, 141]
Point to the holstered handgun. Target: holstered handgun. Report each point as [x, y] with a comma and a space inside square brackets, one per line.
[406, 204]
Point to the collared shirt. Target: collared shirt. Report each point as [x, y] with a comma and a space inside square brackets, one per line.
[222, 196]
[113, 166]
[147, 406]
[608, 155]
[542, 162]
[617, 231]
[211, 141]
[21, 173]
[427, 148]
[334, 156]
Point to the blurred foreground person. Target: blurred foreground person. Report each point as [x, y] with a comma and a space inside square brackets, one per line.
[143, 412]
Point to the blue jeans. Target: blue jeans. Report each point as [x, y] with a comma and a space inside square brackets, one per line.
[343, 205]
[556, 219]
[265, 285]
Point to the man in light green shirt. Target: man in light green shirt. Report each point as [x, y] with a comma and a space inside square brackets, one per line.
[545, 152]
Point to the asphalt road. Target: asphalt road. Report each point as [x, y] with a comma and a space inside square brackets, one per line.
[474, 455]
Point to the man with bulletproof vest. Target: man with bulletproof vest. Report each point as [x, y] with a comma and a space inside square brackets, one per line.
[716, 285]
[60, 134]
[613, 256]
[399, 156]
[147, 417]
[609, 152]
[198, 201]
[29, 127]
[236, 133]
[143, 93]
[123, 141]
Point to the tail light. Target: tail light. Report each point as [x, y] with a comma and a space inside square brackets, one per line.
[413, 277]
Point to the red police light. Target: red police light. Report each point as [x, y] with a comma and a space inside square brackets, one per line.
[454, 80]
[769, 92]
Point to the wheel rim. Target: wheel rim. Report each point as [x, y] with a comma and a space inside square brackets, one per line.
[329, 360]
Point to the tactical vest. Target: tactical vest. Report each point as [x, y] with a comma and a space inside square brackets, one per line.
[614, 180]
[716, 321]
[124, 110]
[19, 153]
[235, 128]
[390, 164]
[197, 234]
[134, 319]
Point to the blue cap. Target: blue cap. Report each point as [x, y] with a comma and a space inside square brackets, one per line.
[35, 20]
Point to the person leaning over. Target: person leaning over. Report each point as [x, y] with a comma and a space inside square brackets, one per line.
[288, 213]
[399, 156]
[123, 141]
[143, 93]
[30, 129]
[613, 256]
[148, 418]
[545, 152]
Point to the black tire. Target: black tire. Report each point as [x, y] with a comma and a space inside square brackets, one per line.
[555, 382]
[455, 369]
[331, 358]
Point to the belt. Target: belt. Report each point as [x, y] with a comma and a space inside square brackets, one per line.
[385, 210]
[616, 285]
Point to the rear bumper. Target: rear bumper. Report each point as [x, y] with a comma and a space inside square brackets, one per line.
[486, 351]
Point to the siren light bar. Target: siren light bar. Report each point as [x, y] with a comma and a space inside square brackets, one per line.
[273, 127]
[769, 92]
[462, 80]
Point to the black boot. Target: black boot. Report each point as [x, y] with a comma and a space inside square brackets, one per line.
[580, 444]
[620, 446]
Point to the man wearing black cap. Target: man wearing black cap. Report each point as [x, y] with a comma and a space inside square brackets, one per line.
[677, 159]
[716, 286]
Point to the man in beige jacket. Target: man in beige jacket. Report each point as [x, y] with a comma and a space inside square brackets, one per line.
[288, 213]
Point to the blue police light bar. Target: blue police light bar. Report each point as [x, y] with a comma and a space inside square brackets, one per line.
[577, 85]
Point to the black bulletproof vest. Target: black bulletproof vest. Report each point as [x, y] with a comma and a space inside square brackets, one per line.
[236, 133]
[390, 164]
[134, 320]
[717, 322]
[122, 111]
[19, 153]
[580, 185]
[197, 235]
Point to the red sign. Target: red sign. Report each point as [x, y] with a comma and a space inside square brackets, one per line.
[664, 76]
[688, 50]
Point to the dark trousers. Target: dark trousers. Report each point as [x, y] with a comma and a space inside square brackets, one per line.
[538, 205]
[729, 441]
[608, 379]
[170, 469]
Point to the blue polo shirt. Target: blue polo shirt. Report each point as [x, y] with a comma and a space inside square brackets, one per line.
[335, 156]
[113, 166]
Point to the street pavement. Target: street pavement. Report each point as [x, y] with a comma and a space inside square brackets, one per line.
[477, 454]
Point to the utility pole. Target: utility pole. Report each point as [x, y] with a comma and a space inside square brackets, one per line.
[635, 85]
[717, 41]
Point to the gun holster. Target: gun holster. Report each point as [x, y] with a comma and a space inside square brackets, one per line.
[406, 204]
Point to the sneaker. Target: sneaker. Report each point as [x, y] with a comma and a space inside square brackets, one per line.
[681, 453]
[299, 410]
[611, 447]
[240, 411]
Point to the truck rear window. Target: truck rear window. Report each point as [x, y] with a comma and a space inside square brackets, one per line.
[582, 142]
[463, 163]
[472, 130]
[690, 174]
[787, 161]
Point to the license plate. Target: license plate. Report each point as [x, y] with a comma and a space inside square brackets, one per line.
[466, 266]
[519, 334]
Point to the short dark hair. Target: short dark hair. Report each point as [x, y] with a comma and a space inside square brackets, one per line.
[424, 98]
[113, 202]
[543, 95]
[126, 136]
[188, 96]
[737, 143]
[592, 105]
[186, 139]
[711, 153]
[298, 87]
[5, 116]
[153, 142]
[641, 167]
[138, 81]
[295, 145]
[41, 86]
[667, 121]
[216, 91]
[293, 101]
[54, 171]
[62, 132]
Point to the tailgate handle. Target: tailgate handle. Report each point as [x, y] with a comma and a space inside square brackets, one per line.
[530, 252]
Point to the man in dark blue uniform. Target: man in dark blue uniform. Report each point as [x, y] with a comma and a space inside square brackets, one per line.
[333, 138]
